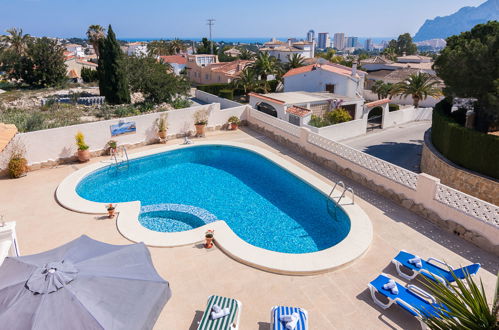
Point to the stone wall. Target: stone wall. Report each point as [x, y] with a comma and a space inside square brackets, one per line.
[457, 177]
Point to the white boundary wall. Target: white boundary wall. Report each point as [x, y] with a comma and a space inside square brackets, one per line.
[341, 131]
[210, 98]
[59, 143]
[406, 115]
[472, 213]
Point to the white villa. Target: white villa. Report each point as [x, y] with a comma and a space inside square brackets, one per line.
[137, 49]
[75, 49]
[297, 107]
[332, 78]
[283, 50]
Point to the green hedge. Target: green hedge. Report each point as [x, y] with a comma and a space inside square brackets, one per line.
[226, 94]
[213, 88]
[468, 148]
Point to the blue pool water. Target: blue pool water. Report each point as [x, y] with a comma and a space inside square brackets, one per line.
[262, 203]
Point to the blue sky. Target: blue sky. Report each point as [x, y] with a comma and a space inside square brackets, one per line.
[256, 18]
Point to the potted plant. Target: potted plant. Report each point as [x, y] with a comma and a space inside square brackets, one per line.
[161, 124]
[208, 236]
[110, 210]
[18, 165]
[83, 153]
[200, 121]
[113, 147]
[234, 122]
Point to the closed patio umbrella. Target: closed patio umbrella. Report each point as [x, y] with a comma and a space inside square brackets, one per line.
[84, 284]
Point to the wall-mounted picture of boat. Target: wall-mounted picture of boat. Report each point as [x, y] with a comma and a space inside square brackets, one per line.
[123, 128]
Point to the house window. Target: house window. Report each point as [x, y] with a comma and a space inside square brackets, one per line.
[330, 88]
[207, 77]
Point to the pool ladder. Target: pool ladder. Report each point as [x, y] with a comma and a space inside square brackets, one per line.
[330, 197]
[120, 158]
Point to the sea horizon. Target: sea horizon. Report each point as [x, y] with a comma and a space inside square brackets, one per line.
[247, 40]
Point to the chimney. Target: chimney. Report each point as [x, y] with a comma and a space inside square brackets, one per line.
[404, 54]
[354, 69]
[289, 42]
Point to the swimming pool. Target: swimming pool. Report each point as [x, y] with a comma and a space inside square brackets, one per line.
[262, 203]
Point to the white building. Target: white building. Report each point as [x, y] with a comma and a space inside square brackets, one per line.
[75, 49]
[323, 41]
[298, 107]
[177, 62]
[138, 49]
[339, 41]
[369, 45]
[310, 35]
[284, 50]
[333, 78]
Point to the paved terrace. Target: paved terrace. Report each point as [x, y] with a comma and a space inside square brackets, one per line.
[335, 300]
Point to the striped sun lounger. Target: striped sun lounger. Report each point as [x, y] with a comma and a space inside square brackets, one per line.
[228, 322]
[277, 311]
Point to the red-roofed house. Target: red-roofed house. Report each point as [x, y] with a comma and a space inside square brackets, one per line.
[332, 78]
[177, 62]
[206, 69]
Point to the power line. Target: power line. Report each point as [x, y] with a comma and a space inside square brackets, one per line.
[211, 23]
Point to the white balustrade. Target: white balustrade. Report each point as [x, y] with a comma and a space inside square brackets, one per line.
[470, 205]
[374, 164]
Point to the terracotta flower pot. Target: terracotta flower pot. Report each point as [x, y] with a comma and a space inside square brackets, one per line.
[233, 126]
[83, 155]
[209, 242]
[111, 212]
[200, 129]
[162, 134]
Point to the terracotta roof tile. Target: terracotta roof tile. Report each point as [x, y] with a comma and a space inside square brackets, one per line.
[376, 103]
[174, 59]
[263, 97]
[298, 111]
[339, 69]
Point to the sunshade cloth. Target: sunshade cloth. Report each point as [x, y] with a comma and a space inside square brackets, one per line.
[84, 284]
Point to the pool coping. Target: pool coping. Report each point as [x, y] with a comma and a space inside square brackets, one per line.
[354, 245]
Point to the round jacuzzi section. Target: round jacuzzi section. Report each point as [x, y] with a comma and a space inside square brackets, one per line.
[174, 217]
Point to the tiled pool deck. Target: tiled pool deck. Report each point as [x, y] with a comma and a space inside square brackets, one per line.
[335, 300]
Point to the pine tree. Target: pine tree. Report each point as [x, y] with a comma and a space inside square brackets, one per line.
[113, 82]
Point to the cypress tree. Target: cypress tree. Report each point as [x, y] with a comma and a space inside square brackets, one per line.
[113, 82]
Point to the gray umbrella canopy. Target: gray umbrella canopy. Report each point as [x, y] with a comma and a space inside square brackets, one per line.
[84, 284]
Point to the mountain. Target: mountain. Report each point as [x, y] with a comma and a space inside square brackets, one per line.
[463, 20]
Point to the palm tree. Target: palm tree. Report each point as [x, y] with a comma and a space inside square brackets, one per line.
[266, 65]
[246, 54]
[15, 41]
[247, 80]
[295, 61]
[419, 86]
[159, 48]
[176, 46]
[95, 33]
[466, 305]
[382, 89]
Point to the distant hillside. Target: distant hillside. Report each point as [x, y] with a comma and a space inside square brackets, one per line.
[462, 20]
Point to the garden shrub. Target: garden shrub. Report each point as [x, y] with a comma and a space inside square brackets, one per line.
[332, 117]
[466, 147]
[213, 88]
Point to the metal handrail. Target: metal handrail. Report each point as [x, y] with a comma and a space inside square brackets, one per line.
[341, 183]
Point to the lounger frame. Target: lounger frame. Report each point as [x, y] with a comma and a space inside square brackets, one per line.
[234, 325]
[277, 306]
[399, 301]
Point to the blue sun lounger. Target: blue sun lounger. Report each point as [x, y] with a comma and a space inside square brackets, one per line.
[413, 299]
[430, 270]
[277, 311]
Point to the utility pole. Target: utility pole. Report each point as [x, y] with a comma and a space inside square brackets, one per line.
[211, 23]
